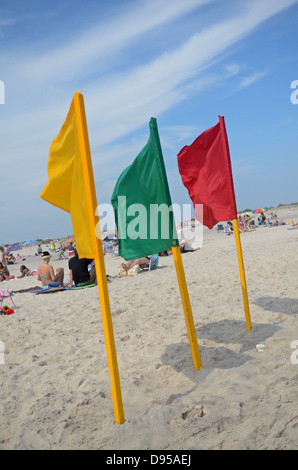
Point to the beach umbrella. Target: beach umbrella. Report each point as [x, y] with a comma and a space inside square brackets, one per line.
[249, 213]
[258, 211]
[29, 241]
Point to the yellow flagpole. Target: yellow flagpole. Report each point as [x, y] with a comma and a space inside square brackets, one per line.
[98, 257]
[187, 307]
[242, 275]
[226, 153]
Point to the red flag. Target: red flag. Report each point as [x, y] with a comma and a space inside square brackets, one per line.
[205, 169]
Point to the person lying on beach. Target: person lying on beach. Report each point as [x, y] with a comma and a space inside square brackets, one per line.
[46, 273]
[186, 247]
[4, 273]
[24, 271]
[140, 261]
[78, 271]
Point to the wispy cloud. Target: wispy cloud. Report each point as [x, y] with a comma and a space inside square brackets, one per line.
[95, 49]
[254, 77]
[121, 102]
[130, 98]
[232, 69]
[122, 86]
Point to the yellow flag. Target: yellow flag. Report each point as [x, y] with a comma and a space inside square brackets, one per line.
[66, 188]
[71, 188]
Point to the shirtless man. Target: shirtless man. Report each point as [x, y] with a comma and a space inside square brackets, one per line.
[46, 273]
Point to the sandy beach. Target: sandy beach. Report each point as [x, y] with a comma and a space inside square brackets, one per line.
[55, 386]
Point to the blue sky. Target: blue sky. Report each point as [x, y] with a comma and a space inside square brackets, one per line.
[183, 62]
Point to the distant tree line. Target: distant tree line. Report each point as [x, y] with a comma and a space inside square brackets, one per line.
[270, 208]
[292, 204]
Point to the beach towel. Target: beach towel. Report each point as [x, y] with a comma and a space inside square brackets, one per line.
[50, 289]
[80, 287]
[47, 290]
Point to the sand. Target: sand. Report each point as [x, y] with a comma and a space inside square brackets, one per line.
[55, 387]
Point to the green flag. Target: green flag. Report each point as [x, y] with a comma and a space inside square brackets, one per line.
[142, 204]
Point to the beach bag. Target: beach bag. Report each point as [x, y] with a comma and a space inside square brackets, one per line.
[121, 272]
[134, 270]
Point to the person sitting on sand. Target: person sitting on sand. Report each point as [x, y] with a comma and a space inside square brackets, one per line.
[10, 259]
[4, 273]
[46, 273]
[78, 271]
[230, 228]
[71, 246]
[24, 271]
[241, 224]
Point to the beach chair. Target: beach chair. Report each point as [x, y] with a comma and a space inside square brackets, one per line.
[154, 260]
[3, 294]
[220, 228]
[152, 264]
[108, 247]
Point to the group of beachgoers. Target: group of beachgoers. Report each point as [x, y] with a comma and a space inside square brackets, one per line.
[271, 220]
[81, 272]
[4, 272]
[6, 256]
[247, 223]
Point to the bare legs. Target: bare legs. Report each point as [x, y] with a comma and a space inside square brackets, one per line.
[129, 264]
